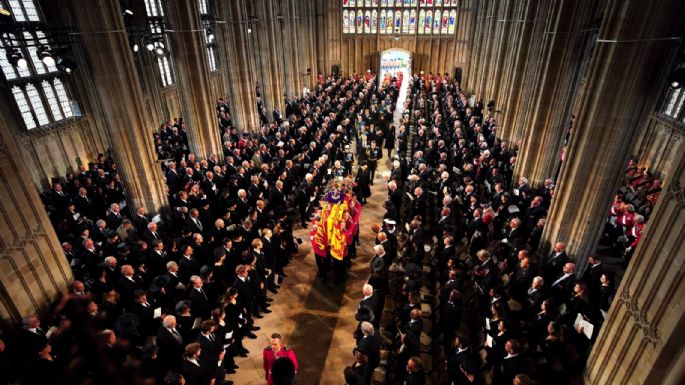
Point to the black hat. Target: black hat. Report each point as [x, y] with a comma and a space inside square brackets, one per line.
[205, 270]
[159, 282]
[413, 270]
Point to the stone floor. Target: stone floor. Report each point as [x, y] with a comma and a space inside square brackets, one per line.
[316, 320]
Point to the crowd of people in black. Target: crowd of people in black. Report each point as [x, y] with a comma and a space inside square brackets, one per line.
[458, 293]
[170, 298]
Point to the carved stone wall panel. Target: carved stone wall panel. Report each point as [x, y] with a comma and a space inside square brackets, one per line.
[33, 269]
[661, 143]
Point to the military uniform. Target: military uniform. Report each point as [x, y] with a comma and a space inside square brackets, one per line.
[270, 356]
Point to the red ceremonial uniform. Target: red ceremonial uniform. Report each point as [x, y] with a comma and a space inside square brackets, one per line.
[270, 356]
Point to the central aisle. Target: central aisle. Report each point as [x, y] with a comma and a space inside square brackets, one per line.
[317, 320]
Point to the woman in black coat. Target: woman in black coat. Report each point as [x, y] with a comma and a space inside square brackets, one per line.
[363, 180]
[390, 140]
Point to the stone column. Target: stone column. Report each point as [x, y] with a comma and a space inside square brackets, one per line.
[240, 65]
[33, 269]
[508, 95]
[625, 74]
[641, 340]
[268, 49]
[105, 44]
[555, 67]
[188, 52]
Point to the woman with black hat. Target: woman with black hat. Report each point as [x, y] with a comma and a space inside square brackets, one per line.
[363, 180]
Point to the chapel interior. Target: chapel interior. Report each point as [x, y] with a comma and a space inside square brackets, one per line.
[513, 129]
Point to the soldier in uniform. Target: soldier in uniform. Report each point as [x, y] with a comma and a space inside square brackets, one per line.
[348, 158]
[275, 351]
[374, 154]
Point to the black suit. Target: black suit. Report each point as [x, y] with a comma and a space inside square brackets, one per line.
[521, 282]
[149, 237]
[371, 346]
[246, 294]
[562, 290]
[30, 343]
[170, 353]
[414, 327]
[396, 199]
[84, 206]
[534, 299]
[276, 200]
[140, 223]
[508, 368]
[126, 289]
[211, 349]
[114, 220]
[592, 277]
[554, 265]
[516, 238]
[200, 374]
[192, 225]
[148, 323]
[373, 303]
[201, 306]
[415, 378]
[454, 361]
[155, 262]
[187, 268]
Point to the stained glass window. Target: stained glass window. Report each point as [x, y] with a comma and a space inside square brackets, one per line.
[399, 17]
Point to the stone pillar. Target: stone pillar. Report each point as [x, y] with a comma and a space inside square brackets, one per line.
[641, 340]
[625, 74]
[509, 94]
[105, 44]
[33, 269]
[476, 77]
[188, 51]
[267, 46]
[240, 65]
[555, 67]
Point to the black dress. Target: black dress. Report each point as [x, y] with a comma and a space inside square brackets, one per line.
[364, 181]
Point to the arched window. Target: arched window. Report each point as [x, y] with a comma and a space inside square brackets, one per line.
[422, 22]
[452, 21]
[422, 17]
[155, 19]
[346, 22]
[36, 84]
[673, 107]
[405, 21]
[412, 22]
[428, 25]
[207, 16]
[436, 22]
